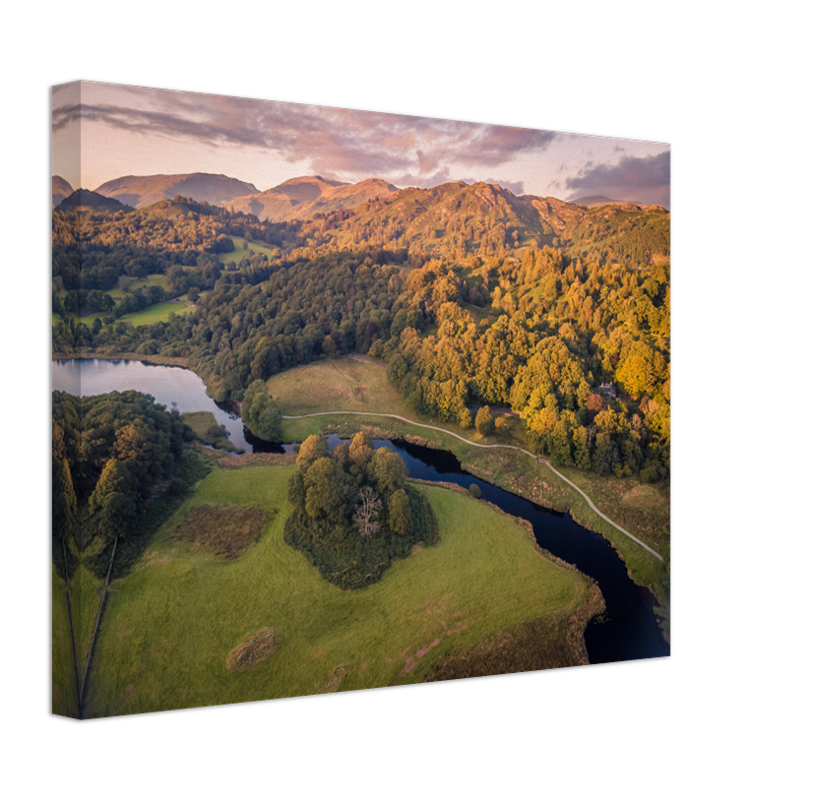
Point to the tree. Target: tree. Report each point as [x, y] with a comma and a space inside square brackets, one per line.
[314, 448]
[465, 419]
[64, 516]
[400, 515]
[328, 490]
[112, 504]
[260, 414]
[484, 421]
[330, 347]
[366, 515]
[361, 452]
[475, 490]
[388, 471]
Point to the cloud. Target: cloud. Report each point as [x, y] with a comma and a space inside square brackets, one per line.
[637, 179]
[332, 140]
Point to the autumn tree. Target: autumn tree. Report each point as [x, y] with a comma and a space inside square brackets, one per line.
[361, 451]
[312, 449]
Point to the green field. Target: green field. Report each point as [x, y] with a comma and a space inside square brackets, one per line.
[347, 384]
[63, 669]
[170, 625]
[252, 248]
[158, 312]
[350, 385]
[343, 384]
[203, 425]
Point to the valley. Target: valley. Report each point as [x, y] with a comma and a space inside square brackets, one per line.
[525, 338]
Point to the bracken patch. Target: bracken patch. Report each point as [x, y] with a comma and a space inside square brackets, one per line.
[227, 531]
[253, 650]
[333, 683]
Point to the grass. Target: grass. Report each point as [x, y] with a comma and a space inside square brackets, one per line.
[86, 594]
[117, 295]
[225, 532]
[64, 700]
[158, 312]
[171, 624]
[209, 431]
[252, 248]
[343, 384]
[350, 385]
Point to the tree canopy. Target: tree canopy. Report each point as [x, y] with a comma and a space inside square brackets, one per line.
[353, 510]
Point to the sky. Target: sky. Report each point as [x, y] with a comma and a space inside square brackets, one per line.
[128, 130]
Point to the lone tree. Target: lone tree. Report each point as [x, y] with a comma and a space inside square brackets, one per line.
[484, 421]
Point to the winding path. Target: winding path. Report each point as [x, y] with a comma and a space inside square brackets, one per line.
[488, 447]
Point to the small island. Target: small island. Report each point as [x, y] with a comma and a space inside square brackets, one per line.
[353, 512]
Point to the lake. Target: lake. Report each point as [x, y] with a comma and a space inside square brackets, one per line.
[628, 629]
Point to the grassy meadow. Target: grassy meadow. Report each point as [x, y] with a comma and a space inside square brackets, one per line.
[64, 698]
[158, 312]
[347, 384]
[244, 248]
[642, 509]
[171, 625]
[208, 431]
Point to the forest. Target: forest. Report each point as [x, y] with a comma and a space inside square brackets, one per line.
[113, 472]
[472, 297]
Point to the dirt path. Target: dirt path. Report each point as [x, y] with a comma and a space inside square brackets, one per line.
[486, 447]
[358, 357]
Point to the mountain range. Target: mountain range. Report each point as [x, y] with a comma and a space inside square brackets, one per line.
[449, 219]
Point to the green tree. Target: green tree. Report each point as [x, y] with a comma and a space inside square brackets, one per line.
[361, 452]
[400, 515]
[388, 471]
[328, 490]
[260, 414]
[112, 505]
[484, 421]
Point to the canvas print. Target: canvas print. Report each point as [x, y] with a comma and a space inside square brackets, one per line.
[345, 400]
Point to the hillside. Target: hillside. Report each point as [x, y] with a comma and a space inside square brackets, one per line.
[457, 219]
[60, 189]
[144, 190]
[302, 198]
[88, 199]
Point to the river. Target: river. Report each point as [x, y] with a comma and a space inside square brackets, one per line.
[628, 629]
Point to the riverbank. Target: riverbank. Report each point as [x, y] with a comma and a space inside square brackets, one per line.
[362, 387]
[520, 475]
[172, 623]
[163, 361]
